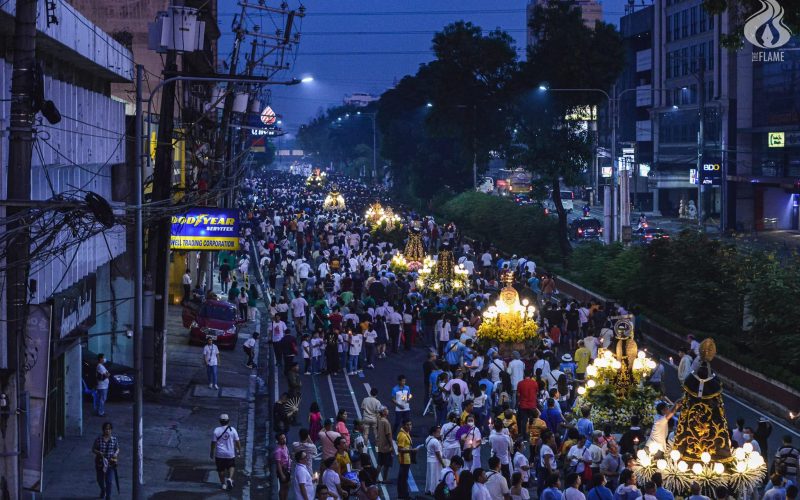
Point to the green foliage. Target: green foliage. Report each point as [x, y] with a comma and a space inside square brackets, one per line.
[520, 229]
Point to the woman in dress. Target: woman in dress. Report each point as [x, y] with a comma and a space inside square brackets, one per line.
[469, 435]
[435, 461]
[341, 425]
[314, 421]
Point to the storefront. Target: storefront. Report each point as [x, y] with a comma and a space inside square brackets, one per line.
[74, 312]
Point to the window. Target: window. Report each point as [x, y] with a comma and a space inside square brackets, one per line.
[693, 16]
[702, 19]
[676, 96]
[710, 63]
[684, 23]
[669, 28]
[669, 64]
[676, 27]
[693, 93]
[701, 51]
[676, 61]
[685, 61]
[710, 90]
[711, 22]
[693, 59]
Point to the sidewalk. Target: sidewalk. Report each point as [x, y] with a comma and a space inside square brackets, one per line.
[178, 423]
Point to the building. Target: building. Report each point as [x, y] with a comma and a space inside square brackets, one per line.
[360, 99]
[82, 292]
[745, 165]
[634, 89]
[692, 72]
[591, 12]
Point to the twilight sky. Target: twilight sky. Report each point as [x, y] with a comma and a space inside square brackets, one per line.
[364, 45]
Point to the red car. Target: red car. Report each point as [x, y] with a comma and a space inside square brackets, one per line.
[211, 318]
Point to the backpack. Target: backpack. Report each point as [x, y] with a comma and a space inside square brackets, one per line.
[442, 491]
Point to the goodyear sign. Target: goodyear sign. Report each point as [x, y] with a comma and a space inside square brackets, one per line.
[204, 228]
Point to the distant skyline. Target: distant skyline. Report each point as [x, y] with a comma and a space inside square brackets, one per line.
[366, 45]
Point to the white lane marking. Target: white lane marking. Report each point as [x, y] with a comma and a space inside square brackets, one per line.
[744, 405]
[358, 413]
[333, 396]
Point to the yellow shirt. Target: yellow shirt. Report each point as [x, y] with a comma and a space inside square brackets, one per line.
[464, 415]
[535, 428]
[582, 357]
[404, 441]
[344, 461]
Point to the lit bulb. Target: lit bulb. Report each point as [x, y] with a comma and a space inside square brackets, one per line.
[525, 302]
[697, 469]
[719, 468]
[675, 455]
[651, 364]
[640, 355]
[683, 466]
[705, 457]
[748, 448]
[661, 464]
[581, 390]
[591, 370]
[591, 383]
[641, 455]
[741, 467]
[654, 448]
[645, 462]
[755, 461]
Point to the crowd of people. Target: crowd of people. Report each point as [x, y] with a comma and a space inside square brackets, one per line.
[336, 307]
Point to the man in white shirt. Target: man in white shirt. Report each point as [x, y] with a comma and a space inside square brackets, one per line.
[658, 435]
[102, 376]
[356, 341]
[479, 490]
[486, 259]
[685, 364]
[187, 285]
[496, 365]
[496, 482]
[516, 370]
[501, 447]
[278, 332]
[211, 361]
[302, 482]
[224, 450]
[299, 306]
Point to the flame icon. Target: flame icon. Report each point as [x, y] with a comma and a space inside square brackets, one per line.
[765, 28]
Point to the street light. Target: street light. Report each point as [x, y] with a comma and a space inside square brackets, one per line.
[544, 88]
[429, 105]
[307, 79]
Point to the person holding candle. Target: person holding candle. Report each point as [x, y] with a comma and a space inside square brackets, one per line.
[469, 435]
[401, 398]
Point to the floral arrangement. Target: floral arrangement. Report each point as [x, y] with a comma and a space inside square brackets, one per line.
[333, 202]
[609, 409]
[398, 264]
[515, 330]
[441, 276]
[316, 179]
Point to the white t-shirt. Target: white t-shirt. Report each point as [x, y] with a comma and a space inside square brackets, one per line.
[495, 367]
[331, 480]
[449, 477]
[520, 460]
[516, 369]
[659, 433]
[102, 383]
[316, 347]
[501, 446]
[481, 492]
[211, 354]
[302, 479]
[250, 343]
[370, 336]
[224, 438]
[543, 452]
[524, 495]
[433, 445]
[573, 494]
[449, 431]
[305, 346]
[355, 344]
[299, 305]
[496, 484]
[278, 331]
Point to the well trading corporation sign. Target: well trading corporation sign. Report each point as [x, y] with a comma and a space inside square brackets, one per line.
[204, 228]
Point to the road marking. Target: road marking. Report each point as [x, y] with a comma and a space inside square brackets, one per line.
[358, 413]
[333, 396]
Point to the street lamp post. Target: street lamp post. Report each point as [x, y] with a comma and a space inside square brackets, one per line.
[373, 117]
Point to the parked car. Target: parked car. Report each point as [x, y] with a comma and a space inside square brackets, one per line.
[120, 383]
[211, 318]
[647, 234]
[585, 229]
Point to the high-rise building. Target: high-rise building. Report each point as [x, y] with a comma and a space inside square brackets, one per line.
[591, 11]
[360, 99]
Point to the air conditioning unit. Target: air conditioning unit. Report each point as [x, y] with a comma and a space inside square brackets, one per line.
[176, 29]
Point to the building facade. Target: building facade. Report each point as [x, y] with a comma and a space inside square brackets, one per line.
[591, 12]
[360, 99]
[75, 295]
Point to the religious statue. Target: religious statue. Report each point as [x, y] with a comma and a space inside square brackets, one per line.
[691, 211]
[702, 426]
[626, 351]
[414, 251]
[682, 212]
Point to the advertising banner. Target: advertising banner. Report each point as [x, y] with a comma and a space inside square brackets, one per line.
[37, 373]
[205, 228]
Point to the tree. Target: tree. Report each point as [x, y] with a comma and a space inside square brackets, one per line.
[338, 136]
[567, 55]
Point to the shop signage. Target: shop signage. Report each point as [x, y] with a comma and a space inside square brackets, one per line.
[776, 139]
[74, 308]
[608, 171]
[205, 228]
[711, 174]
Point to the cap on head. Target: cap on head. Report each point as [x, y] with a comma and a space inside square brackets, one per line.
[224, 417]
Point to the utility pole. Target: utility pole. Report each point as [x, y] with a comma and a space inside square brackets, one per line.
[20, 150]
[615, 165]
[138, 401]
[159, 234]
[701, 111]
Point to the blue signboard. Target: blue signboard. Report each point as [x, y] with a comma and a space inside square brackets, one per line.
[204, 228]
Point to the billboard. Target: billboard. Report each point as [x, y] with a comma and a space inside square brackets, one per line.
[711, 174]
[205, 228]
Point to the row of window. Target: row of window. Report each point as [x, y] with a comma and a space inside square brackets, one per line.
[689, 94]
[688, 22]
[687, 61]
